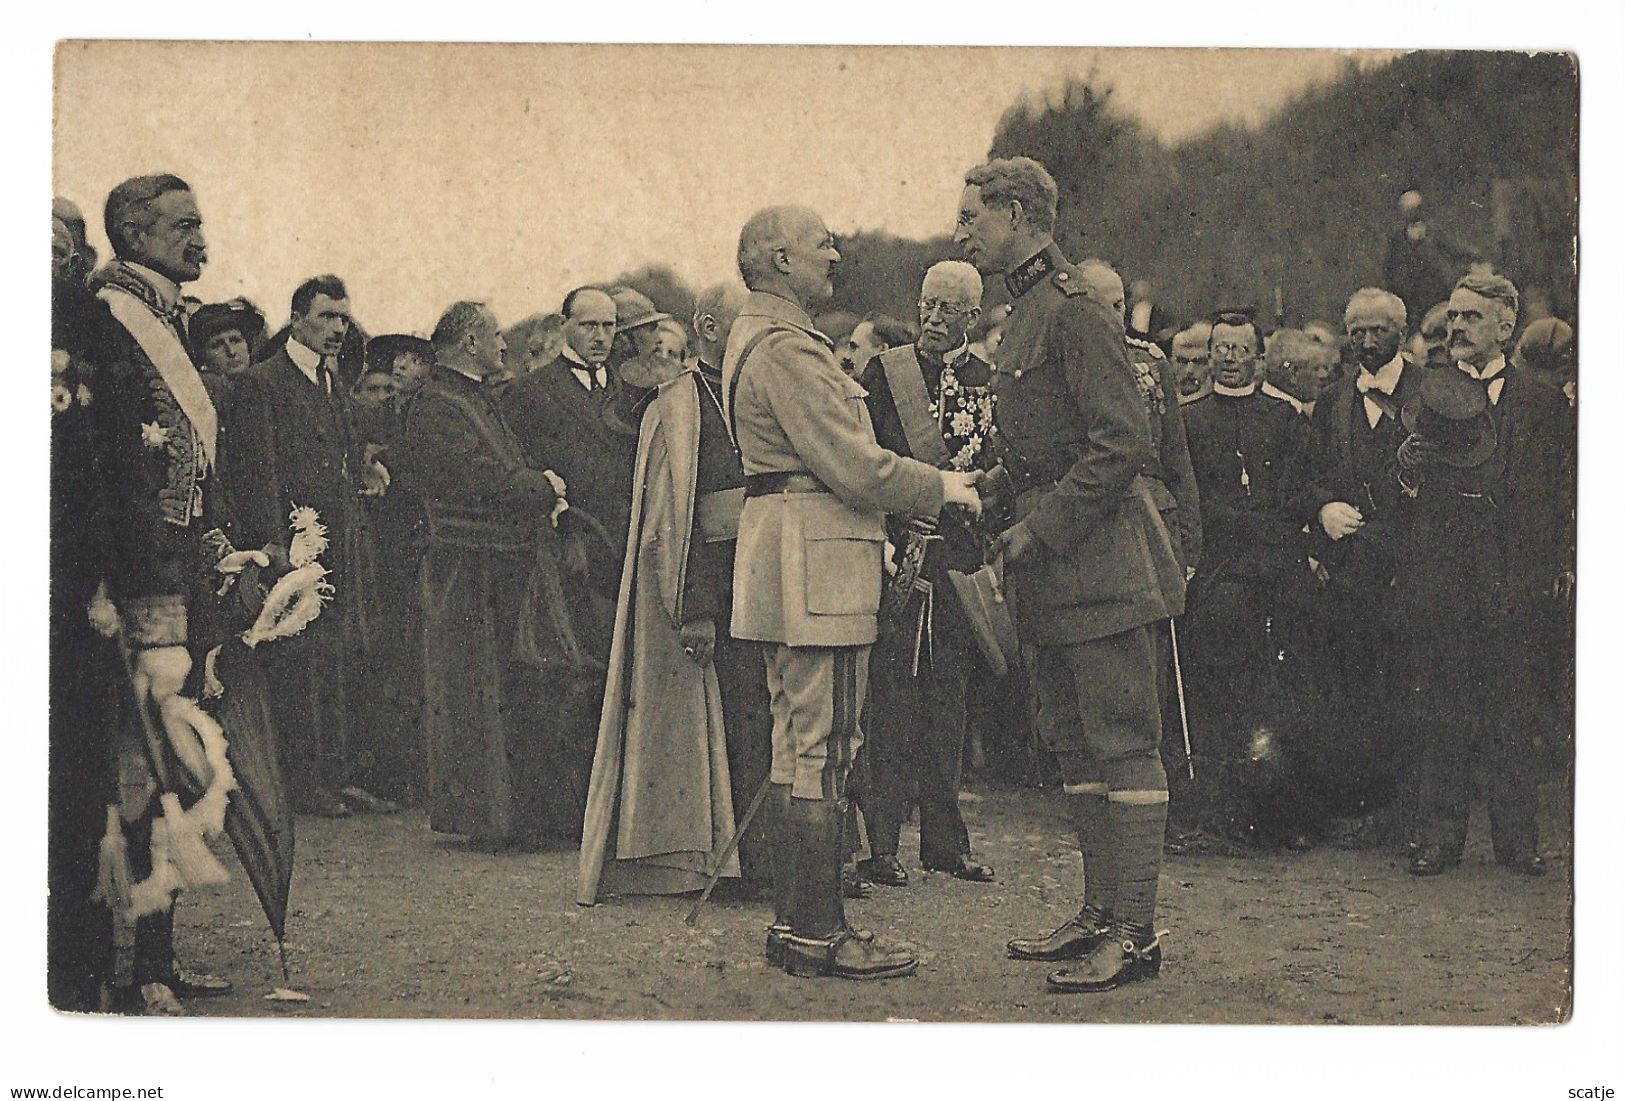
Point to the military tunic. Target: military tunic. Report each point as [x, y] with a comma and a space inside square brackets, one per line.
[807, 568]
[1078, 438]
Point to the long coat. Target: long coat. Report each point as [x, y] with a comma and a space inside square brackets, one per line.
[288, 444]
[1078, 439]
[659, 808]
[500, 661]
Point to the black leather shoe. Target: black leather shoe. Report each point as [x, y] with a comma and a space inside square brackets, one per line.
[192, 984]
[884, 870]
[1072, 941]
[1432, 860]
[323, 803]
[362, 801]
[963, 867]
[852, 884]
[1528, 863]
[1115, 962]
[849, 954]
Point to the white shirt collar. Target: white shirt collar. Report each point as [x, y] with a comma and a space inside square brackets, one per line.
[581, 366]
[1490, 369]
[1271, 390]
[306, 359]
[459, 371]
[1235, 391]
[1384, 378]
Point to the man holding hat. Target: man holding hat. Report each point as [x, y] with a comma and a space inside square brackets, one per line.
[1487, 473]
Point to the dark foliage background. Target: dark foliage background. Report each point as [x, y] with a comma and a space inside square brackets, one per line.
[1305, 203]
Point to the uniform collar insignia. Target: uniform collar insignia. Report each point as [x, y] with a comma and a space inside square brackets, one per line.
[1026, 276]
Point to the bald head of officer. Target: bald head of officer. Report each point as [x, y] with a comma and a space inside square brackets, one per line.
[790, 252]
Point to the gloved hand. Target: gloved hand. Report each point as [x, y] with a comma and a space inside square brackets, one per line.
[1015, 541]
[161, 671]
[236, 561]
[699, 640]
[1339, 518]
[1416, 454]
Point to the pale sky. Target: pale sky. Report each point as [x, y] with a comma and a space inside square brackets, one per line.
[426, 173]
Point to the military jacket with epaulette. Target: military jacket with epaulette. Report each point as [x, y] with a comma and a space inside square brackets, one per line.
[1077, 441]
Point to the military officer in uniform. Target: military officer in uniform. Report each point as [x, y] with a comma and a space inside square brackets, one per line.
[1089, 567]
[807, 569]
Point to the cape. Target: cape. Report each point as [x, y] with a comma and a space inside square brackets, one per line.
[659, 809]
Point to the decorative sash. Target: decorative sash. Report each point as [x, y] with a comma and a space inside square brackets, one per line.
[908, 394]
[163, 347]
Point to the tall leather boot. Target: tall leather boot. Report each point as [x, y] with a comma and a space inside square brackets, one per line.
[821, 944]
[783, 836]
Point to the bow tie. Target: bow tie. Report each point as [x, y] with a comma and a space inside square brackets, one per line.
[1365, 382]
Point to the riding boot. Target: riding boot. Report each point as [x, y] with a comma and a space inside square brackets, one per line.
[820, 943]
[782, 831]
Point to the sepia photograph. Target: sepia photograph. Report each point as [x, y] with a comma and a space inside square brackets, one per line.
[689, 532]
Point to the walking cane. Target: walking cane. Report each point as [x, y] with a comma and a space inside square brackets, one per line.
[728, 850]
[1179, 690]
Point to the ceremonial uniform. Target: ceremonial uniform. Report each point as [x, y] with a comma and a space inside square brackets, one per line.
[153, 438]
[1100, 573]
[938, 410]
[1245, 448]
[807, 578]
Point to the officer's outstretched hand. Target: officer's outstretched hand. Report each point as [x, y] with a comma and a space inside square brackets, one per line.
[1015, 541]
[959, 488]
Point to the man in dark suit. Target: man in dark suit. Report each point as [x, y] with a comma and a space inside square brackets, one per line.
[1488, 546]
[560, 413]
[1351, 502]
[1090, 567]
[292, 445]
[567, 415]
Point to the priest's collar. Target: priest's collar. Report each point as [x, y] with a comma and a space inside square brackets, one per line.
[1235, 391]
[1026, 275]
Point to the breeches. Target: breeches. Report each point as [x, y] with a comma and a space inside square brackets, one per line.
[1098, 710]
[817, 692]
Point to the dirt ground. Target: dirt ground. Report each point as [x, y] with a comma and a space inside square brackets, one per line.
[392, 920]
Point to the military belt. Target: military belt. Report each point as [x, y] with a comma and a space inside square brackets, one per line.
[782, 481]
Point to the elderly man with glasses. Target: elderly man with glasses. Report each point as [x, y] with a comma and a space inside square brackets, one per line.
[931, 400]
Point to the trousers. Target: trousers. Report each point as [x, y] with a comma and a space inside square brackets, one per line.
[916, 740]
[816, 694]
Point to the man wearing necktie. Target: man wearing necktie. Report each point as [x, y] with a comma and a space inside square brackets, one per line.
[562, 415]
[1351, 504]
[1496, 541]
[292, 445]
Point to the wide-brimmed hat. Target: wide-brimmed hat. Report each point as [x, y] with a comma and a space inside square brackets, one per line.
[210, 320]
[383, 348]
[1451, 411]
[634, 309]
